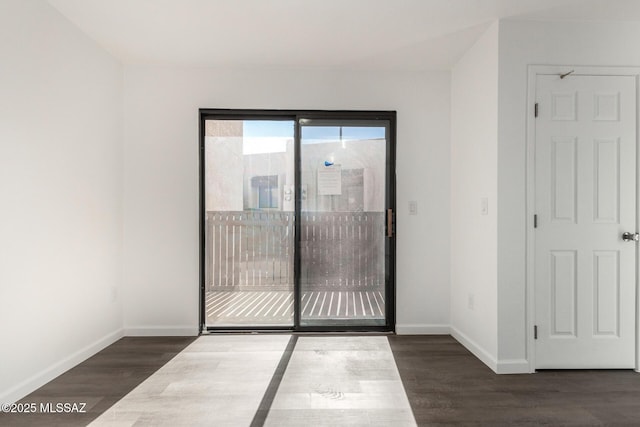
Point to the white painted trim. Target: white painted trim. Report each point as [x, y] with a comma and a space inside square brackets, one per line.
[533, 72]
[530, 209]
[44, 376]
[161, 331]
[484, 356]
[422, 329]
[637, 222]
[580, 70]
[513, 366]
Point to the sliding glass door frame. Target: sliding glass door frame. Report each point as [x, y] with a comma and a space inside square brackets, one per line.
[390, 204]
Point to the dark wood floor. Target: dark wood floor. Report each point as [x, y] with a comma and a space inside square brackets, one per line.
[99, 381]
[445, 384]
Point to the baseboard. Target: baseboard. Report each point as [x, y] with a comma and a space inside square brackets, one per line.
[474, 348]
[422, 329]
[161, 331]
[41, 378]
[513, 366]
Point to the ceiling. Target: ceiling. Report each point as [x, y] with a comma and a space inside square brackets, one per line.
[333, 34]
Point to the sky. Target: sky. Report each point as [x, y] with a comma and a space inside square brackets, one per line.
[285, 129]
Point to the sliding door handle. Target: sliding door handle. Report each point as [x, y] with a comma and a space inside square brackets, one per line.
[390, 223]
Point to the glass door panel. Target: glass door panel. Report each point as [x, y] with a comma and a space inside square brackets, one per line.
[249, 169]
[343, 178]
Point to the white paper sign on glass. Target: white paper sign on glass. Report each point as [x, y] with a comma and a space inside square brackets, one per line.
[330, 180]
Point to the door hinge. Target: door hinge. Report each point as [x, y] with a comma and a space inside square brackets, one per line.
[535, 332]
[535, 110]
[535, 221]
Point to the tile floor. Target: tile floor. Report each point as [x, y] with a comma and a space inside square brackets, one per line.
[222, 380]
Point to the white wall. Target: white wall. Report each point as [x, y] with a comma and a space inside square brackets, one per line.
[474, 176]
[161, 180]
[60, 196]
[521, 44]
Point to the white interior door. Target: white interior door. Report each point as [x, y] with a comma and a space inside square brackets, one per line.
[585, 199]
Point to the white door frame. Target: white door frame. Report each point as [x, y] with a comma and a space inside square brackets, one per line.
[533, 72]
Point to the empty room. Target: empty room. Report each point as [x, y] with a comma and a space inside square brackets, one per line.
[319, 212]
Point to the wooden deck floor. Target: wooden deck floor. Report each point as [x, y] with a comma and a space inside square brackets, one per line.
[271, 308]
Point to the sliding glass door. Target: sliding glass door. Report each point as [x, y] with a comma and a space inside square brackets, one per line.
[296, 220]
[249, 223]
[342, 222]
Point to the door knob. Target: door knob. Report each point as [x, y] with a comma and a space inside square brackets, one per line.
[630, 237]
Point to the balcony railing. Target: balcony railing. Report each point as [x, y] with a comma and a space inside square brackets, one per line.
[254, 250]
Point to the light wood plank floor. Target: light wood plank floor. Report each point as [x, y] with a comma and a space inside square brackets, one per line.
[220, 380]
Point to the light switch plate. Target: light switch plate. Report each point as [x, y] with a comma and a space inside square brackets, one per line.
[484, 206]
[413, 207]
